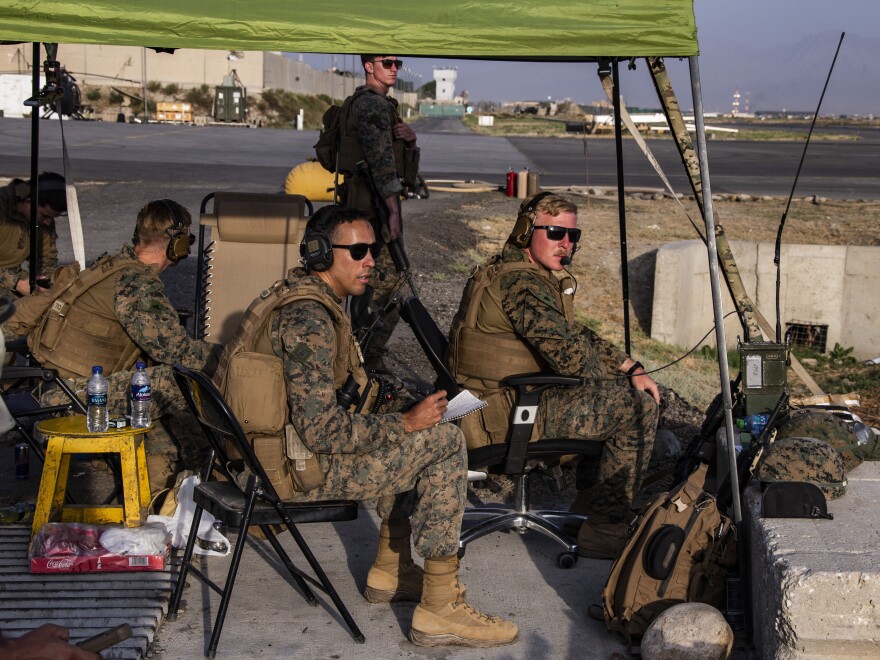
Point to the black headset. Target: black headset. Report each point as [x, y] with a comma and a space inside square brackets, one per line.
[180, 239]
[521, 235]
[316, 251]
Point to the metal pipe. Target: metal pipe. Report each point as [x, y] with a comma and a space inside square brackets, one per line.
[621, 204]
[720, 341]
[35, 167]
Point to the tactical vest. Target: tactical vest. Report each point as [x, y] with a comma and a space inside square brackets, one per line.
[357, 193]
[484, 349]
[251, 377]
[80, 329]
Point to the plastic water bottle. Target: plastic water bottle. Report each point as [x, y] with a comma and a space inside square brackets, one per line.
[753, 424]
[141, 396]
[96, 420]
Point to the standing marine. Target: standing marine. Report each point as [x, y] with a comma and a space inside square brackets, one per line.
[379, 157]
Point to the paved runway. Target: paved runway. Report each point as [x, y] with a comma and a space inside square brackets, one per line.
[219, 157]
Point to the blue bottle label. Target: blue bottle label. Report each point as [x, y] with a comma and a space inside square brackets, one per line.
[97, 399]
[141, 392]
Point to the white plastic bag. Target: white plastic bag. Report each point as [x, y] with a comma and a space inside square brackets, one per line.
[180, 523]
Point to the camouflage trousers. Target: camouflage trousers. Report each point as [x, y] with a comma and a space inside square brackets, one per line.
[423, 477]
[382, 290]
[625, 421]
[176, 439]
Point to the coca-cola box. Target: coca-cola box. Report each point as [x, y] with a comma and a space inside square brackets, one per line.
[84, 548]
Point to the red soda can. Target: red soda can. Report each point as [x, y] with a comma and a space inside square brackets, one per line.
[510, 187]
[22, 460]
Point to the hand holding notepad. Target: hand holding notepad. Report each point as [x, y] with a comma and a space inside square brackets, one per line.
[464, 403]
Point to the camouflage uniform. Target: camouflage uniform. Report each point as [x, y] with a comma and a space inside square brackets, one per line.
[15, 243]
[374, 115]
[144, 311]
[419, 475]
[605, 410]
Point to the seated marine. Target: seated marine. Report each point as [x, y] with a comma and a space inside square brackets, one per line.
[516, 316]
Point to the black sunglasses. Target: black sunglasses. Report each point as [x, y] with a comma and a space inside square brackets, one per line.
[555, 233]
[359, 250]
[388, 63]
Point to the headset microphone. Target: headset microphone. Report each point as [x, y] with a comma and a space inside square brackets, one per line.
[566, 260]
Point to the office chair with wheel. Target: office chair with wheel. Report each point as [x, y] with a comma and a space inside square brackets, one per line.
[517, 458]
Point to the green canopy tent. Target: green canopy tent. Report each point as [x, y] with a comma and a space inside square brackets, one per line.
[569, 30]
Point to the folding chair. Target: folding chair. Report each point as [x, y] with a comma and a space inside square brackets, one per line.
[247, 242]
[256, 503]
[517, 458]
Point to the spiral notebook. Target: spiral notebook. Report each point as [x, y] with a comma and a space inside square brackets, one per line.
[464, 403]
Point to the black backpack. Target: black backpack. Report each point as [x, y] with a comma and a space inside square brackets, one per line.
[333, 133]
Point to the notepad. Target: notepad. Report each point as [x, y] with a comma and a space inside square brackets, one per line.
[464, 403]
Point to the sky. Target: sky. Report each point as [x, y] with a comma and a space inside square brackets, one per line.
[776, 51]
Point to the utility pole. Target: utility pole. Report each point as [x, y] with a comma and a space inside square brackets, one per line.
[144, 72]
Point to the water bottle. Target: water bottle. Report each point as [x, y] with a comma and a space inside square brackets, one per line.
[96, 420]
[754, 424]
[141, 395]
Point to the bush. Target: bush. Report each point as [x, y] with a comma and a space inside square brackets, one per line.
[153, 86]
[115, 97]
[94, 94]
[280, 107]
[201, 98]
[171, 89]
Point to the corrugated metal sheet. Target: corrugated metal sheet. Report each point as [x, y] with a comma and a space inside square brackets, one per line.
[86, 603]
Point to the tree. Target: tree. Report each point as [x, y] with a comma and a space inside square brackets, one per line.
[428, 90]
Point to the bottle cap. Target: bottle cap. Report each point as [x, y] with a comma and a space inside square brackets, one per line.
[140, 365]
[97, 369]
[741, 423]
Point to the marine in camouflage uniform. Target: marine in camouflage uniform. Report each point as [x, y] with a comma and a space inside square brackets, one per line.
[139, 304]
[526, 304]
[385, 140]
[15, 225]
[400, 454]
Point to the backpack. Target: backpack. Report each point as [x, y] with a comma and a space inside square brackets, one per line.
[680, 550]
[29, 310]
[334, 133]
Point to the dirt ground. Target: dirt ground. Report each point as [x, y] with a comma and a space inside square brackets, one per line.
[475, 226]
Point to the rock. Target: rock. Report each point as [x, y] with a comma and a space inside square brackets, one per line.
[743, 198]
[666, 445]
[688, 631]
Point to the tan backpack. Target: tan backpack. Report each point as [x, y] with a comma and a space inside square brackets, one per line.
[680, 551]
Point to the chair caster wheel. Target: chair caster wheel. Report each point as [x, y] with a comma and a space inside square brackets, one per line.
[567, 559]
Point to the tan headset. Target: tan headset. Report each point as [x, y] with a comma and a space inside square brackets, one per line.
[521, 235]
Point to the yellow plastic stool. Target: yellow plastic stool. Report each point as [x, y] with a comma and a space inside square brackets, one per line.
[69, 435]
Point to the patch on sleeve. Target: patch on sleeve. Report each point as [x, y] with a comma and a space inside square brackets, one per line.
[301, 353]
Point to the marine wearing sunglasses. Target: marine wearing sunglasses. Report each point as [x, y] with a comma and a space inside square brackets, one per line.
[359, 250]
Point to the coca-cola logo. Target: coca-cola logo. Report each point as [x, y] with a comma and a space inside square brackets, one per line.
[59, 563]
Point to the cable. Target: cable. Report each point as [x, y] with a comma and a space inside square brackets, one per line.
[676, 361]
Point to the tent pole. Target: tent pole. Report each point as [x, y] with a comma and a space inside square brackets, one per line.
[720, 340]
[621, 204]
[35, 167]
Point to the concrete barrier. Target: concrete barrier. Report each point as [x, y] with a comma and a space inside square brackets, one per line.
[836, 286]
[815, 584]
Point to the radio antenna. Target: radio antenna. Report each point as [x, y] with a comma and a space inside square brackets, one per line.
[776, 256]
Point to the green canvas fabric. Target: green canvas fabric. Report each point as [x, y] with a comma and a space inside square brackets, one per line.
[554, 29]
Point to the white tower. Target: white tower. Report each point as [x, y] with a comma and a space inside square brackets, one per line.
[445, 79]
[735, 108]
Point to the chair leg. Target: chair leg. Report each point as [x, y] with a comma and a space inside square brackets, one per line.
[328, 587]
[185, 564]
[285, 559]
[230, 577]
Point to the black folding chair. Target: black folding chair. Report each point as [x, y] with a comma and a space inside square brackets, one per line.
[518, 458]
[256, 503]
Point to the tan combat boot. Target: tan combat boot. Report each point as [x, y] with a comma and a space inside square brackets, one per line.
[601, 540]
[442, 618]
[393, 576]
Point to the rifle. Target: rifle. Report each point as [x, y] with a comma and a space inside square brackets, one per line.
[395, 247]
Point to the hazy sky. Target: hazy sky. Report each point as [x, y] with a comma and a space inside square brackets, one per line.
[725, 29]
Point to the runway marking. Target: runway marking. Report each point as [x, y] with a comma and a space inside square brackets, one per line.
[128, 137]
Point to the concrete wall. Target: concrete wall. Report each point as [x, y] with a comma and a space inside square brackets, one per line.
[835, 285]
[124, 66]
